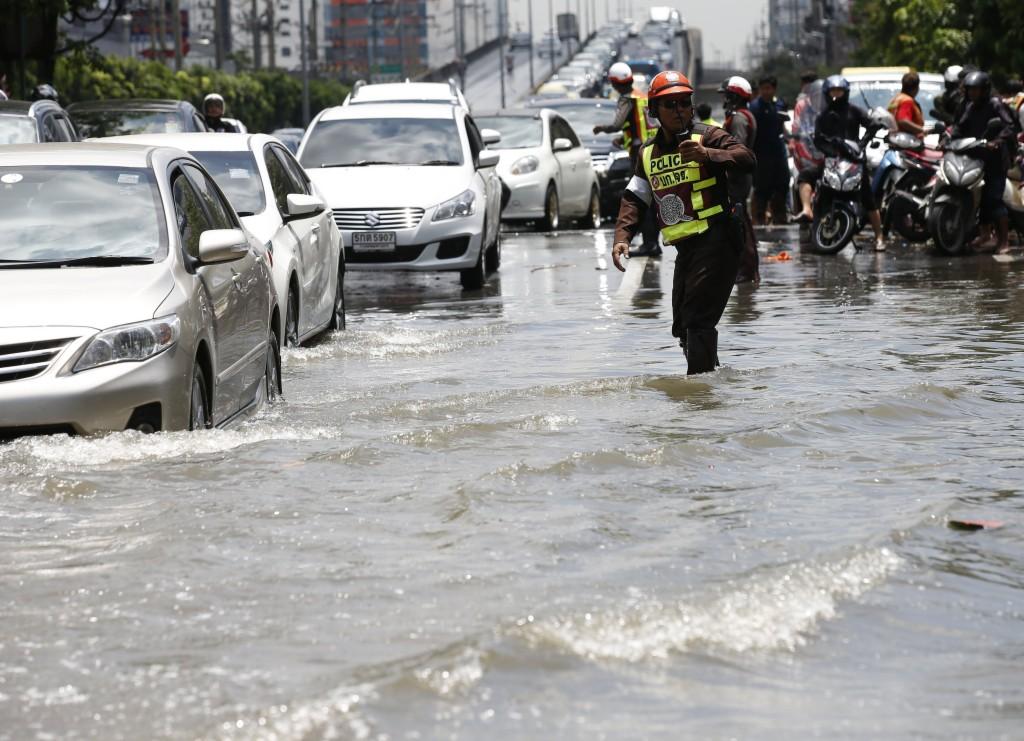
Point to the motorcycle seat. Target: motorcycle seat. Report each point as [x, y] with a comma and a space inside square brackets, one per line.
[926, 155]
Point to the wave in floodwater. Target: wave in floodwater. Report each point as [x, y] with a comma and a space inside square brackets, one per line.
[776, 611]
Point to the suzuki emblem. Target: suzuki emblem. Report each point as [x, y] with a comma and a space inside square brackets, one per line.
[372, 219]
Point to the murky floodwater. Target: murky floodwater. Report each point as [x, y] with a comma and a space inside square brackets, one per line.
[508, 515]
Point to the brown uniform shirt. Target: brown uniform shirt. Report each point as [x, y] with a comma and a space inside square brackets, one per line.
[725, 153]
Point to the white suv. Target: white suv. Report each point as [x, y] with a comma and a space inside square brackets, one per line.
[407, 92]
[411, 187]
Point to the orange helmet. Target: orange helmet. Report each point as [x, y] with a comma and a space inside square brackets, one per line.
[668, 83]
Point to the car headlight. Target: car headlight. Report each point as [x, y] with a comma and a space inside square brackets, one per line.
[463, 204]
[525, 165]
[130, 343]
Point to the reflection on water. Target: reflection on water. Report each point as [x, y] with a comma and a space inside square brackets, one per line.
[508, 513]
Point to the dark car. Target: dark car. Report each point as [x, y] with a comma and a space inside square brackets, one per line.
[611, 162]
[22, 122]
[99, 118]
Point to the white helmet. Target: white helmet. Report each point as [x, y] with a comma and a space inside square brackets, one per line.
[620, 73]
[739, 86]
[952, 74]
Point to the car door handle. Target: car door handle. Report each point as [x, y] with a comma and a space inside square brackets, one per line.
[236, 279]
[316, 232]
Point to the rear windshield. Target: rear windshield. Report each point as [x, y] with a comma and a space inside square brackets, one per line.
[517, 132]
[18, 130]
[122, 123]
[55, 212]
[238, 177]
[393, 141]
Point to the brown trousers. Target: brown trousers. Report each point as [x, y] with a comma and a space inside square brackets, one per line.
[705, 272]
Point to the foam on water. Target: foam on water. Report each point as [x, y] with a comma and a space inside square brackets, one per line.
[335, 715]
[759, 613]
[395, 342]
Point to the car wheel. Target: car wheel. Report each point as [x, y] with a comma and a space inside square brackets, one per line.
[272, 380]
[492, 259]
[592, 219]
[550, 222]
[199, 408]
[473, 278]
[338, 315]
[291, 321]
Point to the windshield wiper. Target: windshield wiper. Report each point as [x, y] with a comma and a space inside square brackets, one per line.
[360, 163]
[440, 162]
[92, 260]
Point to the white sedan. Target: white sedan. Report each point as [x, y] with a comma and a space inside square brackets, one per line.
[546, 168]
[279, 204]
[412, 186]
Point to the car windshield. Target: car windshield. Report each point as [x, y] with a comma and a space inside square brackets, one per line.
[517, 132]
[63, 212]
[122, 123]
[238, 177]
[870, 94]
[393, 141]
[583, 118]
[17, 130]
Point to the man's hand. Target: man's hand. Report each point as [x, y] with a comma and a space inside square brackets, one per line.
[693, 151]
[620, 250]
[598, 129]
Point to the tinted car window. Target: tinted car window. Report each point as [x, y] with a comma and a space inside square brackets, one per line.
[220, 213]
[67, 130]
[280, 180]
[295, 172]
[400, 141]
[120, 123]
[60, 212]
[51, 131]
[237, 175]
[18, 130]
[517, 132]
[191, 218]
[560, 129]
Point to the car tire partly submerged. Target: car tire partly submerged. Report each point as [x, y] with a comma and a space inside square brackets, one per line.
[551, 219]
[291, 321]
[272, 379]
[199, 408]
[592, 218]
[338, 315]
[473, 278]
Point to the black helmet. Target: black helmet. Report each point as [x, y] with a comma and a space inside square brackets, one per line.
[980, 79]
[836, 82]
[45, 92]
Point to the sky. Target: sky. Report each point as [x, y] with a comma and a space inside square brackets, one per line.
[726, 25]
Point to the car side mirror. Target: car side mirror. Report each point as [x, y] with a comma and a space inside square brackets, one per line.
[490, 136]
[222, 245]
[488, 159]
[300, 204]
[561, 145]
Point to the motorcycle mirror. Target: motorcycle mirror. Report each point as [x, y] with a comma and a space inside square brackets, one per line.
[994, 126]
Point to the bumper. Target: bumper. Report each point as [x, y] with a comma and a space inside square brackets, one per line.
[527, 197]
[457, 249]
[612, 185]
[98, 400]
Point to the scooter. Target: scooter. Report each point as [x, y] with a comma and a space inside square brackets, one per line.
[902, 184]
[838, 214]
[952, 213]
[1013, 193]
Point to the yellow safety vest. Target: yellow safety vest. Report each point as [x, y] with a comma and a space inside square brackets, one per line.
[681, 193]
[639, 122]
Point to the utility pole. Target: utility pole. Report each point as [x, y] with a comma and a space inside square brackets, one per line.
[176, 25]
[161, 30]
[551, 36]
[257, 56]
[271, 35]
[501, 48]
[314, 32]
[303, 57]
[218, 33]
[529, 23]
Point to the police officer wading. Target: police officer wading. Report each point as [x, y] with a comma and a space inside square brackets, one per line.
[682, 176]
[631, 120]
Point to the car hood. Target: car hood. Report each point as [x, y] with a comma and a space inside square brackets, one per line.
[90, 298]
[384, 186]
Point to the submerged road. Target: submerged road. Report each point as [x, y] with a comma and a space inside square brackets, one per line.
[508, 514]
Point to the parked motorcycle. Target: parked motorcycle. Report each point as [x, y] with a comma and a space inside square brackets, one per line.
[838, 214]
[952, 214]
[903, 183]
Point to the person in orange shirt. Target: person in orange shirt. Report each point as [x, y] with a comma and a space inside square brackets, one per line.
[905, 108]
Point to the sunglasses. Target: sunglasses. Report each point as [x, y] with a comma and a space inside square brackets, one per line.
[678, 104]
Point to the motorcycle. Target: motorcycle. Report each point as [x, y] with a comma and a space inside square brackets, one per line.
[952, 213]
[902, 184]
[838, 214]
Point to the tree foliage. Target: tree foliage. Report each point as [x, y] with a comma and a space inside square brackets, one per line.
[263, 99]
[929, 35]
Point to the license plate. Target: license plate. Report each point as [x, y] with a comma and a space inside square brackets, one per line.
[373, 241]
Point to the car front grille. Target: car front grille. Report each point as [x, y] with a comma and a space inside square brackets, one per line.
[600, 160]
[402, 253]
[28, 359]
[378, 218]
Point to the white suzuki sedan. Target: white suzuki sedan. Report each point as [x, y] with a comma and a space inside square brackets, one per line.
[282, 208]
[130, 295]
[547, 169]
[411, 186]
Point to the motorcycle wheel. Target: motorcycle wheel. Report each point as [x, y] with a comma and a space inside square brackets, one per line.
[833, 230]
[902, 218]
[947, 226]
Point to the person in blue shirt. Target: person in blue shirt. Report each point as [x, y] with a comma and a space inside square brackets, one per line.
[771, 179]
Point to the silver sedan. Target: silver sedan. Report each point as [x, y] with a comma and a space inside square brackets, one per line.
[132, 297]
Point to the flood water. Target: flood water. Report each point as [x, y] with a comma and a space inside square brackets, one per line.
[509, 515]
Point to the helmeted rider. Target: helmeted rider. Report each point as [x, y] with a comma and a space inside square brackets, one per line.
[740, 122]
[842, 120]
[45, 91]
[213, 112]
[631, 120]
[979, 109]
[947, 103]
[682, 176]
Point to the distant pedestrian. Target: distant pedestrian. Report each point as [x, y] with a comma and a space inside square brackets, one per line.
[771, 180]
[213, 112]
[704, 115]
[740, 122]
